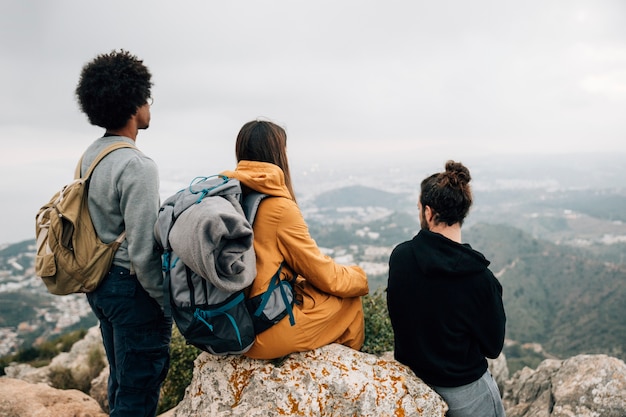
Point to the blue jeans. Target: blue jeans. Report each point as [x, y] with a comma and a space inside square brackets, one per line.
[479, 398]
[136, 337]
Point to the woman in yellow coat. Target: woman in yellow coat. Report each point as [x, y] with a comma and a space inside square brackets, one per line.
[327, 306]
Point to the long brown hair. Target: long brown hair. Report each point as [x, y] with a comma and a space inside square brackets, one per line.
[448, 194]
[264, 141]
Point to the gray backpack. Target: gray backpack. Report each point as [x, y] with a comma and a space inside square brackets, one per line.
[205, 232]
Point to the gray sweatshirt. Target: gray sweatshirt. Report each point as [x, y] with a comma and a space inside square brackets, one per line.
[124, 195]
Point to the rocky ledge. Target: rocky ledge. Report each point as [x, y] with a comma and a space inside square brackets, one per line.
[330, 381]
[581, 386]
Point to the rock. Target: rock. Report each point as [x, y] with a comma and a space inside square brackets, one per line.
[19, 398]
[330, 381]
[26, 372]
[85, 359]
[500, 371]
[498, 368]
[99, 389]
[528, 393]
[582, 386]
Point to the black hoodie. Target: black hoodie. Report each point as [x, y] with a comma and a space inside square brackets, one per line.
[446, 309]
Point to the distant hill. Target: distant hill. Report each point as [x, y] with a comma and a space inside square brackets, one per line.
[16, 249]
[600, 203]
[594, 219]
[359, 196]
[558, 296]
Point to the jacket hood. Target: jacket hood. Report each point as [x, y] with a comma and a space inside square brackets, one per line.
[263, 177]
[439, 256]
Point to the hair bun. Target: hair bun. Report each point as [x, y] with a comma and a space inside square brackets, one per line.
[457, 173]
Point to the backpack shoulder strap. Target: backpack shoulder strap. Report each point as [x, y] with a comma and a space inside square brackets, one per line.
[250, 205]
[101, 155]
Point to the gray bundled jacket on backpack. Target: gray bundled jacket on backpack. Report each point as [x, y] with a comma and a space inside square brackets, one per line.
[210, 235]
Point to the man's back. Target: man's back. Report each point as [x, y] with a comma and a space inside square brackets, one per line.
[124, 195]
[446, 309]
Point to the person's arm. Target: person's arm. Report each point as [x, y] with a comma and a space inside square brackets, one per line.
[139, 205]
[304, 257]
[492, 325]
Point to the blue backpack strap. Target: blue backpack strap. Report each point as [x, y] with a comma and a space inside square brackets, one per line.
[203, 315]
[281, 285]
[203, 192]
[276, 282]
[168, 263]
[167, 277]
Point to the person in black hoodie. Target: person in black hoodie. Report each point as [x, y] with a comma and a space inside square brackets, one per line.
[444, 303]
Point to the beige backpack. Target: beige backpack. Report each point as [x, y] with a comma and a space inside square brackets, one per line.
[70, 256]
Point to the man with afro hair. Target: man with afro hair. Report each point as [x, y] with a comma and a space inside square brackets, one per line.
[114, 93]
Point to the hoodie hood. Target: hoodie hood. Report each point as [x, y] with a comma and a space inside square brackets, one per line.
[439, 256]
[262, 177]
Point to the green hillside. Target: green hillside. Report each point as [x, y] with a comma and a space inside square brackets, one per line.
[558, 296]
[360, 196]
[600, 204]
[18, 307]
[16, 248]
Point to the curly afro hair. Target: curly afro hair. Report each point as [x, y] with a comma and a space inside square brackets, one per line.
[112, 88]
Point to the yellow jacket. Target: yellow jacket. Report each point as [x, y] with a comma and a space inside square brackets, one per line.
[328, 308]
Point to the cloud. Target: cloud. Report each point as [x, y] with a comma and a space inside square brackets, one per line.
[351, 81]
[611, 85]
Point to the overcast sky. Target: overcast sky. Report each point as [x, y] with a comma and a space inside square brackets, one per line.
[352, 80]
